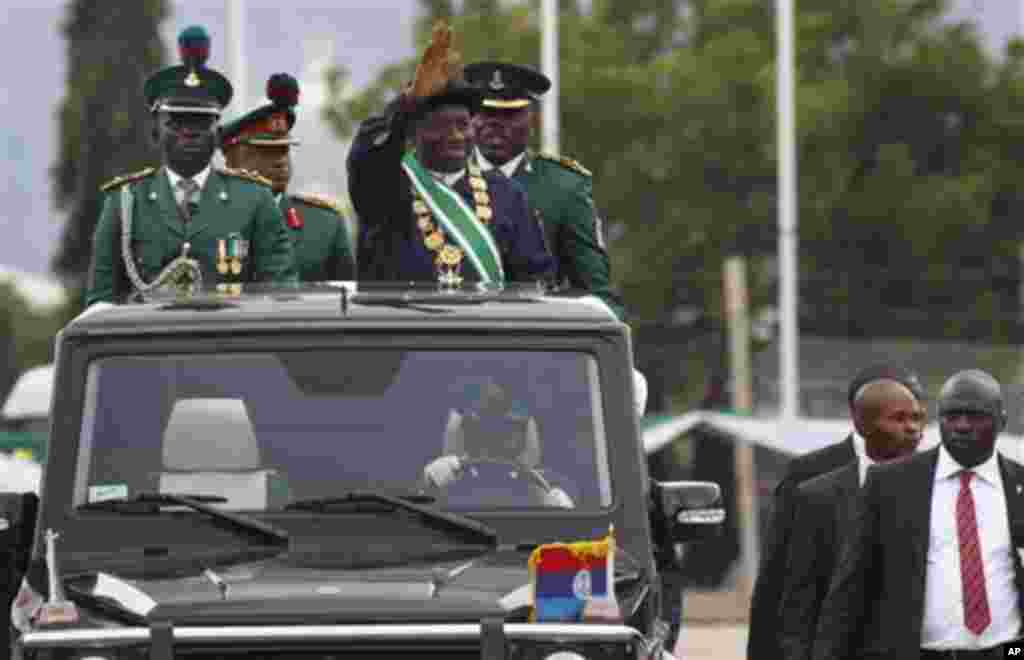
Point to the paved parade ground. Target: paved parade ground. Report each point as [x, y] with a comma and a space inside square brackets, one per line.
[714, 625]
[718, 641]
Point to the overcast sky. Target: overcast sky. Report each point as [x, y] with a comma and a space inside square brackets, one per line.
[282, 35]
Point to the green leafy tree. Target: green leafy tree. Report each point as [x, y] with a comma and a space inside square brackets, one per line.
[908, 151]
[27, 333]
[104, 124]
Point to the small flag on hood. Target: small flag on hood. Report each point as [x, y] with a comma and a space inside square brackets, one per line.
[574, 582]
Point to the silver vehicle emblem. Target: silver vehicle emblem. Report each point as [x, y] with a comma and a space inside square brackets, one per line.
[497, 84]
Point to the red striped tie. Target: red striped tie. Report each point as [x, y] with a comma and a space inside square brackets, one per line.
[972, 571]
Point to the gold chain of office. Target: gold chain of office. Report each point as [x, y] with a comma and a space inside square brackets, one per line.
[448, 256]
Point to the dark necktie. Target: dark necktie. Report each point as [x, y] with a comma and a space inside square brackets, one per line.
[189, 197]
[972, 572]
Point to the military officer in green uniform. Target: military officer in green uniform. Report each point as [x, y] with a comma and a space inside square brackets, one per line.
[185, 226]
[559, 189]
[260, 142]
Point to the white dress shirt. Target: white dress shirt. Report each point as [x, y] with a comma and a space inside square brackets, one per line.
[863, 460]
[448, 178]
[173, 177]
[508, 169]
[943, 623]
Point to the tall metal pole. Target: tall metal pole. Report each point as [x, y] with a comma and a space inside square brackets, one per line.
[549, 67]
[738, 318]
[235, 15]
[788, 265]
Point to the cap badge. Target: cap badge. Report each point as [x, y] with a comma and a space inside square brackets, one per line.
[192, 80]
[497, 84]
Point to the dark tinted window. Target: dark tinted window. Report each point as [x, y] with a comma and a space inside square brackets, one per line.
[264, 429]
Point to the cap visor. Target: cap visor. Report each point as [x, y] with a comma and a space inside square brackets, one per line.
[193, 109]
[506, 104]
[269, 142]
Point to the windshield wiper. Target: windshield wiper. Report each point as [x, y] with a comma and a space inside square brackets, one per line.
[152, 502]
[461, 526]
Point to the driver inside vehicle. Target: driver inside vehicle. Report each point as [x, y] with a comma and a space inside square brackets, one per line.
[493, 432]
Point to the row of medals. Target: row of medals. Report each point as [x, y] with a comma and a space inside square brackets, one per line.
[231, 252]
[447, 256]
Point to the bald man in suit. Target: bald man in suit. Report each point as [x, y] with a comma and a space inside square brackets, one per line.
[764, 641]
[891, 420]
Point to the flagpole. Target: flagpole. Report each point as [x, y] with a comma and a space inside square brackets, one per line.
[549, 67]
[235, 15]
[787, 219]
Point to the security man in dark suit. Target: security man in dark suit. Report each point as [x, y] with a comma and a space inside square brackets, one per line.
[931, 569]
[891, 420]
[260, 141]
[763, 642]
[560, 190]
[430, 214]
[186, 223]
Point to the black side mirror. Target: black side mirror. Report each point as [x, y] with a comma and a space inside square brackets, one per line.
[687, 511]
[17, 528]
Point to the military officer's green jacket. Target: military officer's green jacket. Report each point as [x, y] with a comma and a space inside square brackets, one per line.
[230, 201]
[560, 193]
[323, 249]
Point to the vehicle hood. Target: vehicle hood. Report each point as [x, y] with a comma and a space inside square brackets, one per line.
[280, 592]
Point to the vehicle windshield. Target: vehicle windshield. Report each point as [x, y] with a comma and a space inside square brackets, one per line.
[267, 429]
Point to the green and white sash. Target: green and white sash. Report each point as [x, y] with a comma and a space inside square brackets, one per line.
[458, 220]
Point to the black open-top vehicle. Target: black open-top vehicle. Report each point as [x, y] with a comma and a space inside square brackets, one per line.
[244, 475]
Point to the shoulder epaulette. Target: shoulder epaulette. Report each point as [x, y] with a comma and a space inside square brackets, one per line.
[317, 200]
[127, 178]
[247, 175]
[567, 163]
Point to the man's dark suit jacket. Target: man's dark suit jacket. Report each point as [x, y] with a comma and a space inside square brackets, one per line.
[763, 643]
[824, 509]
[875, 605]
[390, 247]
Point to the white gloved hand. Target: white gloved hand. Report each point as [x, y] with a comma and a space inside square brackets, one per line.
[639, 392]
[442, 471]
[559, 498]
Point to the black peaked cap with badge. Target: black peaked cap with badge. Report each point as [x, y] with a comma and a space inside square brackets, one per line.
[507, 86]
[456, 92]
[190, 86]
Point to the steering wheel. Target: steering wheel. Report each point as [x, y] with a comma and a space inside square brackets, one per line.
[501, 481]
